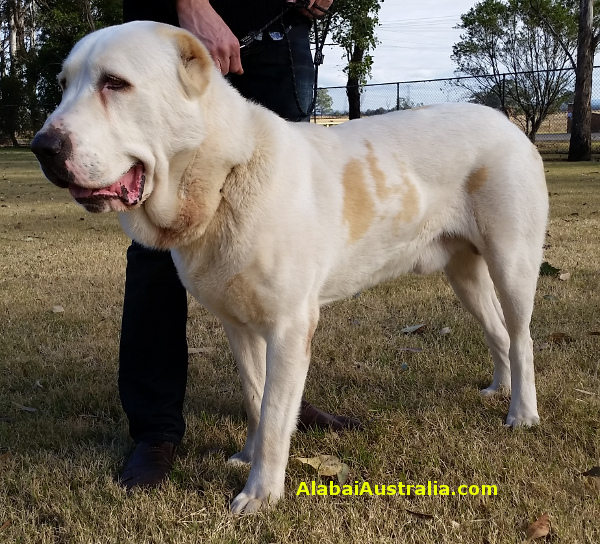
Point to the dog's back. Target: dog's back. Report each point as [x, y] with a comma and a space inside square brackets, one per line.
[414, 182]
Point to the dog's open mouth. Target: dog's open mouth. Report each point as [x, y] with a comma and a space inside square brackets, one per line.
[127, 190]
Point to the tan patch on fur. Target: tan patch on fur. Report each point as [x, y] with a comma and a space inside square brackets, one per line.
[378, 175]
[197, 210]
[178, 234]
[476, 180]
[243, 301]
[359, 209]
[410, 205]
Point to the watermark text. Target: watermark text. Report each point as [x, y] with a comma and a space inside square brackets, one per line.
[401, 489]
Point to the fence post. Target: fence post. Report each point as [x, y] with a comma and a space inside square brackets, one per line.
[397, 96]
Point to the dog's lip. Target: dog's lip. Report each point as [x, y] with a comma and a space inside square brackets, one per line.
[129, 188]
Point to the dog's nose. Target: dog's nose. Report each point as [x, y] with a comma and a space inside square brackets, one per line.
[52, 148]
[47, 144]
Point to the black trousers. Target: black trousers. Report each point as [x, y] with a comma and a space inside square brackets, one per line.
[153, 358]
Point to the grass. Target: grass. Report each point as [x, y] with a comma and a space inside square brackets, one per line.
[425, 418]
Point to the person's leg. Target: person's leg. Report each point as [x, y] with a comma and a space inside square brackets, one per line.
[153, 362]
[153, 355]
[153, 348]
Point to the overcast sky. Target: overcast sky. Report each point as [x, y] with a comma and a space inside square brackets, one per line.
[416, 39]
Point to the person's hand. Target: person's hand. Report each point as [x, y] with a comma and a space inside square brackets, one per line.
[199, 18]
[315, 8]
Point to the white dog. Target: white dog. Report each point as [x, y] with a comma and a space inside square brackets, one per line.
[268, 220]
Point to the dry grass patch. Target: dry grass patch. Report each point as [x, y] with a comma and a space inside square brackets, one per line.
[425, 420]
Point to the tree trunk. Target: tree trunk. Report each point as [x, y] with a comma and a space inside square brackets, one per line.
[32, 25]
[353, 84]
[16, 29]
[580, 147]
[353, 94]
[87, 13]
[12, 30]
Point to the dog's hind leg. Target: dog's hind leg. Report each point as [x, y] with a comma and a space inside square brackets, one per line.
[511, 212]
[468, 275]
[250, 353]
[514, 268]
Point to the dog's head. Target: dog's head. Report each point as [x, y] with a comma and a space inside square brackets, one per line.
[130, 110]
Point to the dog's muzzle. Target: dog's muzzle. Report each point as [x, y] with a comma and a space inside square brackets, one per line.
[53, 149]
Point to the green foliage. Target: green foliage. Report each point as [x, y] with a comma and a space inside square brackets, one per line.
[44, 34]
[324, 102]
[533, 41]
[353, 26]
[11, 114]
[63, 23]
[501, 36]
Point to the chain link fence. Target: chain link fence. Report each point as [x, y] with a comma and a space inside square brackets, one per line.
[552, 136]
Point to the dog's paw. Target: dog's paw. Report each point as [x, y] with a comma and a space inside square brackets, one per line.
[495, 390]
[241, 458]
[246, 504]
[489, 391]
[522, 420]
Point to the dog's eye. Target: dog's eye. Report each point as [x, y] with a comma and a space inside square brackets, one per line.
[114, 83]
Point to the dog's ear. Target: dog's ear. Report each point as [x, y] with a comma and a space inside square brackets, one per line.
[196, 64]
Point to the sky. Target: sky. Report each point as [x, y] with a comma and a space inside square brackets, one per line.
[416, 39]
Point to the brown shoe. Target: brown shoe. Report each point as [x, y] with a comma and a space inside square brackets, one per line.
[148, 466]
[310, 416]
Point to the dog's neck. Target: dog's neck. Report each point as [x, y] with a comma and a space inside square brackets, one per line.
[211, 182]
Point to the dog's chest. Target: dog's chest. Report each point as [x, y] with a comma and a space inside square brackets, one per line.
[230, 294]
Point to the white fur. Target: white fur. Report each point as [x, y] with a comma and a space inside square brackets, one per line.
[268, 220]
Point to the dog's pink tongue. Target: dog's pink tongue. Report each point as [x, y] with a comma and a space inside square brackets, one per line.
[127, 188]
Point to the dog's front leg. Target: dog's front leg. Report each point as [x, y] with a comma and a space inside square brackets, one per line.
[288, 355]
[250, 353]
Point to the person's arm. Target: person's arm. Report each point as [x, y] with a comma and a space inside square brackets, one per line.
[199, 17]
[315, 8]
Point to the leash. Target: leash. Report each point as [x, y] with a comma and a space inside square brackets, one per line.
[251, 36]
[319, 44]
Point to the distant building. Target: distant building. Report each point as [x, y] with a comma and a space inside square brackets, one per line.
[595, 119]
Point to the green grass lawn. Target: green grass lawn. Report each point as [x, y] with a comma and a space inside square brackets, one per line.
[63, 435]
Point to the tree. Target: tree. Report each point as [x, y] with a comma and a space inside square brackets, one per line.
[17, 38]
[580, 145]
[353, 24]
[324, 103]
[12, 114]
[35, 37]
[497, 97]
[62, 23]
[513, 38]
[588, 14]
